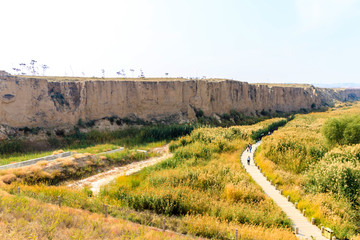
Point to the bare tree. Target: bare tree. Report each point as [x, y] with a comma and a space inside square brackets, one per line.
[44, 67]
[32, 67]
[23, 68]
[141, 74]
[132, 72]
[16, 71]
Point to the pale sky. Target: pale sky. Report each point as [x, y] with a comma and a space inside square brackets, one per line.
[292, 41]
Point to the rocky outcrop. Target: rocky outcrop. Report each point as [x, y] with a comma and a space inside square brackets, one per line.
[329, 95]
[41, 102]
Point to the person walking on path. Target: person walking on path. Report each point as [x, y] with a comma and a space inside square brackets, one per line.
[305, 228]
[248, 160]
[250, 147]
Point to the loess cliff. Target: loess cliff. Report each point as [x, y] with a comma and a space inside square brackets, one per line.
[52, 102]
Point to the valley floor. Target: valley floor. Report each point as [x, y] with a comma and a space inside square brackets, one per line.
[96, 181]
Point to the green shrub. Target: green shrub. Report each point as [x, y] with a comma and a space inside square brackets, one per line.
[199, 113]
[341, 179]
[352, 132]
[337, 173]
[256, 135]
[333, 130]
[128, 137]
[169, 204]
[125, 156]
[344, 130]
[11, 146]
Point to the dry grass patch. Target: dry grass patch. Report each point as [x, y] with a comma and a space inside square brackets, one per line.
[57, 152]
[45, 221]
[8, 178]
[73, 167]
[66, 162]
[42, 163]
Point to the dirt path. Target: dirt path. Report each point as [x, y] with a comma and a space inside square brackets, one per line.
[98, 180]
[306, 229]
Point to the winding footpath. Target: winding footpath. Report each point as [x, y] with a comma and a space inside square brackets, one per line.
[96, 181]
[306, 229]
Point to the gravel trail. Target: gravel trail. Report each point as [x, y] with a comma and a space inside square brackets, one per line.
[98, 180]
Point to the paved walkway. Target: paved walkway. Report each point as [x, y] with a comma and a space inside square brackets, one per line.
[34, 161]
[49, 158]
[112, 151]
[306, 229]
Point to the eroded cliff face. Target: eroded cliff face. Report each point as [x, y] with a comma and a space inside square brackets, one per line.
[329, 95]
[38, 102]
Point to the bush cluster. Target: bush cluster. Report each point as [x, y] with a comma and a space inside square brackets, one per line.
[256, 135]
[344, 130]
[11, 146]
[125, 137]
[337, 173]
[128, 136]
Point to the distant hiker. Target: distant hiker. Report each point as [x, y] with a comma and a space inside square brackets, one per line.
[248, 160]
[250, 147]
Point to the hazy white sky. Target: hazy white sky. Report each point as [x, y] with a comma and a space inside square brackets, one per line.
[304, 41]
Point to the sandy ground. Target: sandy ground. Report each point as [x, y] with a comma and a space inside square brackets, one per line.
[98, 180]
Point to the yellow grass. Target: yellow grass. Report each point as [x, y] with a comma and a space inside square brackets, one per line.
[24, 218]
[57, 152]
[68, 161]
[211, 226]
[286, 156]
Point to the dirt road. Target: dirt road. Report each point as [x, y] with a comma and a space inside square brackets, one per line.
[98, 180]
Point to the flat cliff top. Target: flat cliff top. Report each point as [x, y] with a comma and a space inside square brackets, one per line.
[294, 85]
[4, 75]
[76, 79]
[86, 79]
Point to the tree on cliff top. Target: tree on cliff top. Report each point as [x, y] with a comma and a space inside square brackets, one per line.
[31, 69]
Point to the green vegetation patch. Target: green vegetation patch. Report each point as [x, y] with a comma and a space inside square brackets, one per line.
[95, 141]
[315, 160]
[344, 130]
[202, 190]
[204, 177]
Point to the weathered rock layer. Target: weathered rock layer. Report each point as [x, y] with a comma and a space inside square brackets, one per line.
[40, 102]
